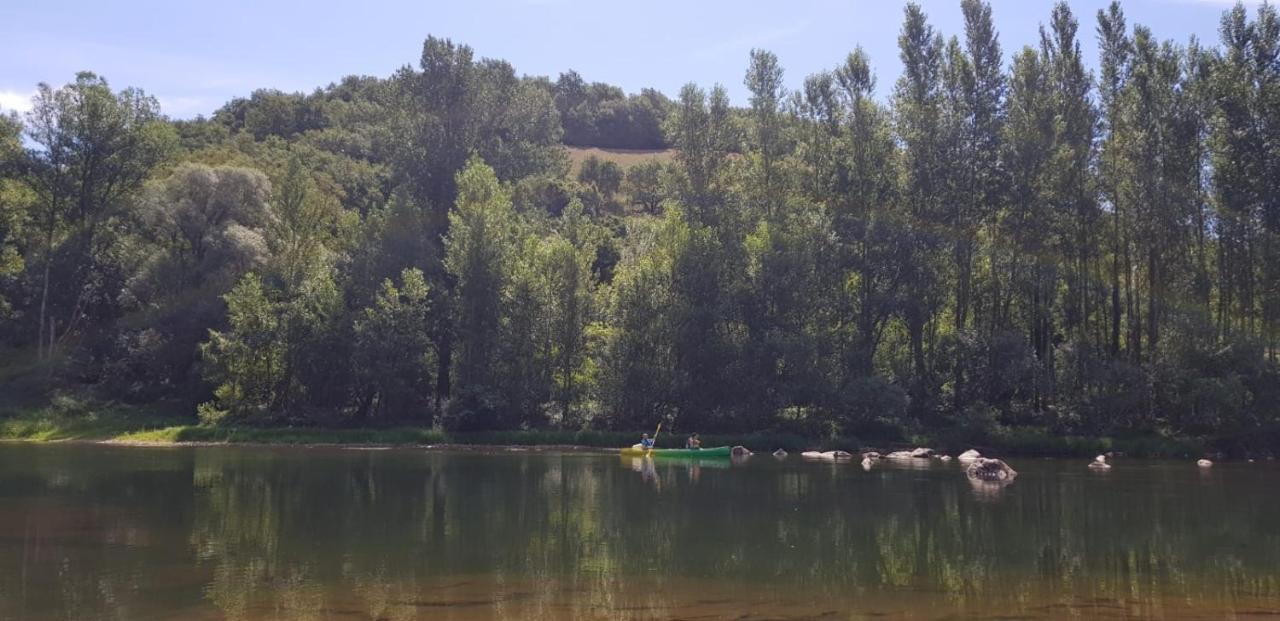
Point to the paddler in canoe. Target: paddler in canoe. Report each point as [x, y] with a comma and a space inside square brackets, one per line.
[693, 443]
[647, 448]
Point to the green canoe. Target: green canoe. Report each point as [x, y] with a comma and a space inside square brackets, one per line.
[719, 451]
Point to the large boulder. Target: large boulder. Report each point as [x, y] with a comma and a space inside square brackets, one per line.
[827, 455]
[969, 456]
[983, 469]
[918, 453]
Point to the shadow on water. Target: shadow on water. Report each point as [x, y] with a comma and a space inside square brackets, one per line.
[235, 533]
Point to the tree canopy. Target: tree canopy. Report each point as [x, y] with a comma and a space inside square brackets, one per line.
[994, 242]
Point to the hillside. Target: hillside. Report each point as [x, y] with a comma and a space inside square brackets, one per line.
[625, 158]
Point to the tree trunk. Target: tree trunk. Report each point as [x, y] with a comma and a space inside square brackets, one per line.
[443, 365]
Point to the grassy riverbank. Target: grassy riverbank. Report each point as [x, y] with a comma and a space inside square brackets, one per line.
[155, 426]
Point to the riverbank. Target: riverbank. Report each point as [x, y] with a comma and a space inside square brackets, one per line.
[158, 428]
[112, 427]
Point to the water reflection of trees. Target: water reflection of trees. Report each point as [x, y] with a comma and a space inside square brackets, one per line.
[588, 530]
[407, 535]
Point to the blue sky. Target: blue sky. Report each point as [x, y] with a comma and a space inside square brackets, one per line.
[195, 56]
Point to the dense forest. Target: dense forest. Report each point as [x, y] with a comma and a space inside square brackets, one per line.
[997, 241]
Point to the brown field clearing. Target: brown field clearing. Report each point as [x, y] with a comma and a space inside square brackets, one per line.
[626, 158]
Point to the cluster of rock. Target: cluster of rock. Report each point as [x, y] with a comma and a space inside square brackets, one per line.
[978, 469]
[1101, 464]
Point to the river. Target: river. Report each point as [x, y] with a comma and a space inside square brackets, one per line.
[129, 533]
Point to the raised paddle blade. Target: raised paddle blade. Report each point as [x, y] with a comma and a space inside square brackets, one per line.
[655, 437]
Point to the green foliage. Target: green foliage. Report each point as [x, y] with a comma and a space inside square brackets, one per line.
[96, 148]
[393, 350]
[248, 361]
[639, 358]
[202, 228]
[600, 115]
[992, 255]
[645, 184]
[564, 262]
[15, 205]
[603, 179]
[479, 256]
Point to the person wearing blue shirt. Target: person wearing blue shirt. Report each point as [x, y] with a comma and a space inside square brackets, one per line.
[646, 442]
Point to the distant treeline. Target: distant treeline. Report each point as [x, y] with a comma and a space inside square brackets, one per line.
[591, 114]
[1005, 243]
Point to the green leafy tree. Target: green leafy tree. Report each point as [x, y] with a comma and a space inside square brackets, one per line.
[96, 148]
[248, 361]
[201, 228]
[478, 255]
[15, 204]
[918, 100]
[604, 179]
[705, 134]
[455, 106]
[1028, 296]
[393, 350]
[865, 219]
[764, 80]
[304, 224]
[645, 184]
[639, 359]
[565, 259]
[1072, 187]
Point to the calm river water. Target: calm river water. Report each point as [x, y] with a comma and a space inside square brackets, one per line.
[96, 532]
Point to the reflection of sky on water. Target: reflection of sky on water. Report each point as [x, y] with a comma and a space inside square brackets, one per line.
[90, 533]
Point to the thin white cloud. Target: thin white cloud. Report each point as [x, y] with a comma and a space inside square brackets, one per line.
[1221, 3]
[11, 101]
[743, 43]
[186, 84]
[185, 107]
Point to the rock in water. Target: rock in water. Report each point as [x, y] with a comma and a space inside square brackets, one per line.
[922, 453]
[780, 454]
[1204, 463]
[969, 456]
[983, 469]
[827, 455]
[740, 451]
[1100, 463]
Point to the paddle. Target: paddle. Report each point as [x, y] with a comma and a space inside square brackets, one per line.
[655, 439]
